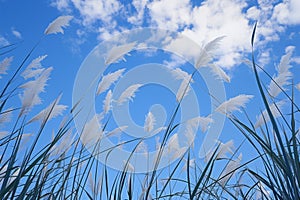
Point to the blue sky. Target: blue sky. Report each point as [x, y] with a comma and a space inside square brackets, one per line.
[97, 21]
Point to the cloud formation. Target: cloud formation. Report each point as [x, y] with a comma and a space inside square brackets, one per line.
[287, 12]
[202, 23]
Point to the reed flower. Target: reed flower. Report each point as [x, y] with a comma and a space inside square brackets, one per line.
[4, 64]
[108, 80]
[129, 93]
[234, 104]
[118, 52]
[58, 24]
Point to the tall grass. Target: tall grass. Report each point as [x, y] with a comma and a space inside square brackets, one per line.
[63, 168]
[277, 143]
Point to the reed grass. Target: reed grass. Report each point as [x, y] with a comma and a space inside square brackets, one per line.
[64, 169]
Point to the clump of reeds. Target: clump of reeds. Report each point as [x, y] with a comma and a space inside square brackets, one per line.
[63, 168]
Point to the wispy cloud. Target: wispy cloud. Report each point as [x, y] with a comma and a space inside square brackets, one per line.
[174, 62]
[92, 11]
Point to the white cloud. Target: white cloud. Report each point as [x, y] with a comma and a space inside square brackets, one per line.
[174, 62]
[108, 33]
[294, 59]
[139, 6]
[268, 29]
[202, 23]
[209, 21]
[170, 14]
[287, 12]
[222, 18]
[92, 10]
[184, 46]
[61, 5]
[253, 13]
[264, 57]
